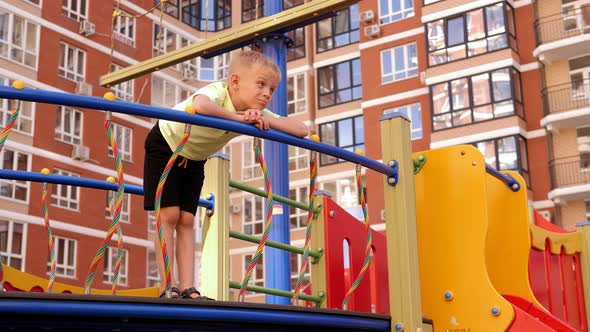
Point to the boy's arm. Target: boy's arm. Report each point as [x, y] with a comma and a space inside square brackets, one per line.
[203, 105]
[289, 126]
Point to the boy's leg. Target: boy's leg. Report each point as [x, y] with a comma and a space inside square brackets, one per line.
[185, 250]
[169, 219]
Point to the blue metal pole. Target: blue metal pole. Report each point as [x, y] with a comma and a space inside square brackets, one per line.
[278, 262]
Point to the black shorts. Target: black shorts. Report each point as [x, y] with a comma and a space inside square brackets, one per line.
[184, 182]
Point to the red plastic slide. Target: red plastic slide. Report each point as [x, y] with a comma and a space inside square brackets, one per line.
[532, 318]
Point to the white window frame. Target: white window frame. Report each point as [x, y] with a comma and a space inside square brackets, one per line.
[9, 239]
[60, 133]
[298, 155]
[166, 93]
[74, 14]
[79, 55]
[26, 115]
[110, 261]
[124, 29]
[253, 222]
[576, 8]
[124, 140]
[12, 47]
[299, 213]
[123, 90]
[169, 41]
[255, 278]
[341, 184]
[410, 70]
[250, 168]
[151, 279]
[405, 12]
[416, 133]
[298, 102]
[15, 183]
[125, 208]
[38, 3]
[65, 202]
[151, 222]
[64, 266]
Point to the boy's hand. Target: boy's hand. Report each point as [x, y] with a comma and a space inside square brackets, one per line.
[251, 115]
[263, 123]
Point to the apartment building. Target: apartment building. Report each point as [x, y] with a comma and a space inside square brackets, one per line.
[563, 49]
[464, 72]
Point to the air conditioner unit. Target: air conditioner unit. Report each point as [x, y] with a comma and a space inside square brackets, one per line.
[382, 214]
[372, 31]
[80, 152]
[235, 209]
[87, 28]
[367, 16]
[83, 88]
[187, 74]
[546, 214]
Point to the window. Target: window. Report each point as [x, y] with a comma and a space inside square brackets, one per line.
[575, 15]
[253, 215]
[166, 93]
[125, 29]
[68, 125]
[298, 217]
[506, 153]
[110, 262]
[250, 168]
[252, 10]
[298, 49]
[257, 277]
[64, 196]
[72, 62]
[475, 32]
[16, 161]
[476, 98]
[399, 63]
[339, 83]
[164, 41]
[583, 140]
[171, 7]
[338, 31]
[345, 193]
[414, 114]
[579, 77]
[152, 274]
[34, 2]
[298, 158]
[296, 94]
[214, 69]
[395, 10]
[12, 246]
[124, 217]
[151, 221]
[75, 9]
[24, 121]
[65, 258]
[292, 3]
[18, 39]
[208, 15]
[124, 90]
[347, 133]
[295, 265]
[123, 138]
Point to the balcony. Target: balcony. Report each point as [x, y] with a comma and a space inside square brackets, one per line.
[563, 35]
[566, 105]
[570, 178]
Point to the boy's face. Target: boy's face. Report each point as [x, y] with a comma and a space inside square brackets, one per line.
[255, 87]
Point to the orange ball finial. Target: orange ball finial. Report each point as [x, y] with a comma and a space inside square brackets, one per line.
[359, 152]
[190, 110]
[110, 96]
[45, 171]
[18, 84]
[111, 179]
[315, 138]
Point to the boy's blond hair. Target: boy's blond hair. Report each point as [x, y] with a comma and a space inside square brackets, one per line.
[249, 58]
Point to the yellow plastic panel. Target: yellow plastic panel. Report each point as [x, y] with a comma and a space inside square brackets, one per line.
[508, 242]
[571, 242]
[452, 225]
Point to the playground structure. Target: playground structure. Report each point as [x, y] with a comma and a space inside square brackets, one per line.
[461, 252]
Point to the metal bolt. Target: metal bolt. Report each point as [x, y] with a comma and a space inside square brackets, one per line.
[448, 295]
[474, 163]
[399, 326]
[332, 214]
[462, 153]
[495, 311]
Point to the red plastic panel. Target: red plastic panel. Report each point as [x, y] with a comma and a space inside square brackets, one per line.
[572, 309]
[527, 315]
[557, 304]
[538, 276]
[344, 226]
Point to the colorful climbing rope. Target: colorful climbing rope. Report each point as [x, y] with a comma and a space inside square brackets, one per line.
[257, 151]
[119, 240]
[306, 247]
[11, 121]
[368, 244]
[44, 203]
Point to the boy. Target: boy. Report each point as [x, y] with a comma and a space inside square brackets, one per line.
[251, 82]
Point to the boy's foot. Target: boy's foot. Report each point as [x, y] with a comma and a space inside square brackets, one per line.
[193, 293]
[175, 293]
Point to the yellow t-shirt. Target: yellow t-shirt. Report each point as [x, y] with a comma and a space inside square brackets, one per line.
[203, 141]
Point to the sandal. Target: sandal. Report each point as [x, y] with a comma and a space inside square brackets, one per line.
[186, 294]
[175, 293]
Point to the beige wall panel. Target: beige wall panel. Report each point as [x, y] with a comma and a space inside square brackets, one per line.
[474, 62]
[571, 213]
[565, 144]
[548, 7]
[476, 128]
[557, 73]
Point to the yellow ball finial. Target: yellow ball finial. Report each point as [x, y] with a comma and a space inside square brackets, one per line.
[315, 138]
[18, 84]
[115, 13]
[111, 179]
[359, 152]
[45, 171]
[110, 96]
[190, 110]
